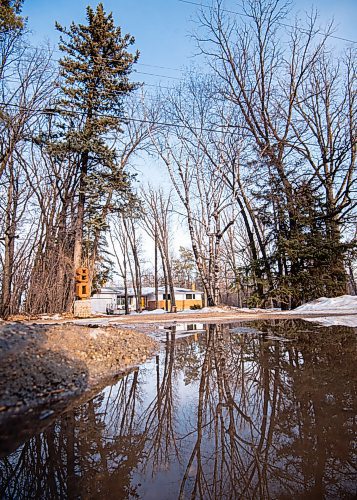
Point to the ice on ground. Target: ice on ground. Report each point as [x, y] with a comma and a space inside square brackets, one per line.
[344, 303]
[350, 321]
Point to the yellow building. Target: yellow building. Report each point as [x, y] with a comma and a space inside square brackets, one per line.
[184, 298]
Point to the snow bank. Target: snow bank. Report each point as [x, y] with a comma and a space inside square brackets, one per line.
[345, 303]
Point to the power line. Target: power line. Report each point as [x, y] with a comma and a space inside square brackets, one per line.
[137, 63]
[303, 30]
[134, 71]
[53, 111]
[158, 67]
[153, 74]
[113, 92]
[49, 111]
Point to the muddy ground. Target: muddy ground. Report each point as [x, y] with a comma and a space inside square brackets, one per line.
[43, 364]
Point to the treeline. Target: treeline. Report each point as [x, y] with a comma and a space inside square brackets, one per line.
[260, 150]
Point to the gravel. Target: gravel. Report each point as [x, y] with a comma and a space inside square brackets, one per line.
[42, 364]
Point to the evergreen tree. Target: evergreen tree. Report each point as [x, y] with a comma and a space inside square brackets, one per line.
[309, 261]
[10, 19]
[94, 72]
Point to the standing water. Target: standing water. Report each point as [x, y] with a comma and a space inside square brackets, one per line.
[261, 410]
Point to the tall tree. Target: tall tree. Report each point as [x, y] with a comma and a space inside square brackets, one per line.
[95, 71]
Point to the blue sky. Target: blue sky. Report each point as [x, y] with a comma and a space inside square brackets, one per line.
[162, 27]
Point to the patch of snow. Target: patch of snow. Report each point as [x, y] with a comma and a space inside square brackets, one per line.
[350, 321]
[256, 310]
[155, 311]
[203, 310]
[189, 311]
[210, 309]
[52, 316]
[344, 303]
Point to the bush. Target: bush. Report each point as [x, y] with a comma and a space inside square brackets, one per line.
[196, 306]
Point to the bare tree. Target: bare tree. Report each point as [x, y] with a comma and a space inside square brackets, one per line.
[26, 89]
[158, 224]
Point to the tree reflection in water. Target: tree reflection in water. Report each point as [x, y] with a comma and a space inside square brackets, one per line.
[221, 415]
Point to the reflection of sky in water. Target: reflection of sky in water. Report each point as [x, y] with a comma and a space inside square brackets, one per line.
[275, 418]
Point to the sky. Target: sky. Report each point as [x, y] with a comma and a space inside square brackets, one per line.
[162, 29]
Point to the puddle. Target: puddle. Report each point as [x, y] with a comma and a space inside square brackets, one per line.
[223, 411]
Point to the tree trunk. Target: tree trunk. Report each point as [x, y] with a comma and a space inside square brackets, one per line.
[78, 235]
[9, 244]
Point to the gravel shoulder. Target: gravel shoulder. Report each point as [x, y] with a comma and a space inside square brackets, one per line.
[43, 364]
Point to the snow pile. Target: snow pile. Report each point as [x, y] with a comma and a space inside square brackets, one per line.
[343, 304]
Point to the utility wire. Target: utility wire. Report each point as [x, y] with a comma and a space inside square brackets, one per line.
[53, 111]
[134, 71]
[153, 74]
[49, 111]
[137, 63]
[302, 30]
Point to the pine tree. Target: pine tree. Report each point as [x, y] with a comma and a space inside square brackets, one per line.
[94, 83]
[311, 259]
[10, 19]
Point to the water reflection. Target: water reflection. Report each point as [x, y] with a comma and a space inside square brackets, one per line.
[229, 414]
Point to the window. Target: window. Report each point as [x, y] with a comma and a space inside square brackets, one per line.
[166, 297]
[190, 296]
[121, 301]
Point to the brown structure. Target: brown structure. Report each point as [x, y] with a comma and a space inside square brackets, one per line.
[82, 283]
